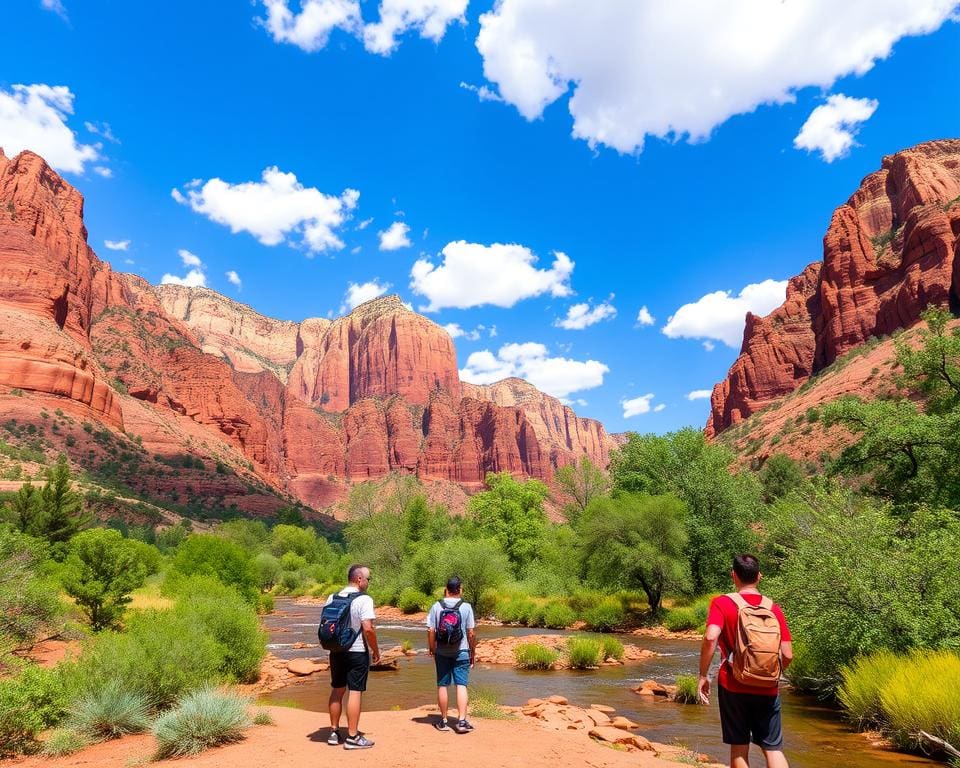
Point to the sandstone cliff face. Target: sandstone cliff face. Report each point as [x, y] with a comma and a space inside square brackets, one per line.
[890, 251]
[300, 408]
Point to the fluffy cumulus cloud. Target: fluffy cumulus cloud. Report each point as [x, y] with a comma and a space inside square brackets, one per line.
[581, 316]
[831, 127]
[357, 293]
[644, 317]
[195, 277]
[698, 394]
[34, 117]
[117, 245]
[456, 332]
[472, 275]
[234, 279]
[310, 29]
[557, 376]
[394, 237]
[720, 315]
[631, 79]
[276, 209]
[637, 406]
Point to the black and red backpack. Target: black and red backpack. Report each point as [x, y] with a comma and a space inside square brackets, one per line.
[450, 625]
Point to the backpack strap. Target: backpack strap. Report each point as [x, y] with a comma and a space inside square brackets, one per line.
[457, 606]
[738, 600]
[766, 603]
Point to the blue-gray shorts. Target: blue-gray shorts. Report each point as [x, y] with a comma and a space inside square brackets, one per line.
[453, 670]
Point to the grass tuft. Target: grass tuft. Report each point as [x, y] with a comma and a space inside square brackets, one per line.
[484, 704]
[612, 648]
[64, 741]
[262, 717]
[534, 656]
[859, 693]
[108, 712]
[687, 689]
[202, 719]
[584, 652]
[923, 694]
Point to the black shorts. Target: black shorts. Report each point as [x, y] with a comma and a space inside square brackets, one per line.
[750, 717]
[349, 670]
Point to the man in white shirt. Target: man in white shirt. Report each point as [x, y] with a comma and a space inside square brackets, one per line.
[447, 619]
[349, 669]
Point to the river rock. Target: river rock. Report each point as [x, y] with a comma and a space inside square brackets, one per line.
[561, 700]
[623, 723]
[603, 708]
[302, 667]
[631, 741]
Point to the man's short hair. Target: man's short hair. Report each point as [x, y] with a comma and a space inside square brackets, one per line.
[454, 584]
[353, 571]
[747, 568]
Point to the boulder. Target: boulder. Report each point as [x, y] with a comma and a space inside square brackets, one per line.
[631, 741]
[302, 667]
[623, 723]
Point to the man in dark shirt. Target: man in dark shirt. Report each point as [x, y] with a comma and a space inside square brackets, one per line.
[747, 713]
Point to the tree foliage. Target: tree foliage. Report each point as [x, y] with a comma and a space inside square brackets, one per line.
[580, 483]
[480, 563]
[511, 513]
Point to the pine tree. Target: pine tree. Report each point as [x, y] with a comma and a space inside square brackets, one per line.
[22, 509]
[60, 514]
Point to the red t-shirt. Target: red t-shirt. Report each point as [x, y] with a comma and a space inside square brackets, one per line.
[723, 614]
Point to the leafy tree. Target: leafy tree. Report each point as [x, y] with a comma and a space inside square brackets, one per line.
[268, 570]
[252, 535]
[291, 538]
[580, 483]
[290, 516]
[378, 540]
[207, 555]
[636, 541]
[480, 563]
[555, 572]
[60, 515]
[23, 508]
[172, 537]
[416, 519]
[28, 603]
[933, 368]
[779, 476]
[511, 513]
[100, 572]
[363, 500]
[721, 503]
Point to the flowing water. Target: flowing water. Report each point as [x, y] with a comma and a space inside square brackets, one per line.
[816, 735]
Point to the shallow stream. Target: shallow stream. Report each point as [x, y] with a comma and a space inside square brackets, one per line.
[817, 736]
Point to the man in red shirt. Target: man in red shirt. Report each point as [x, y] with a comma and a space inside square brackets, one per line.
[747, 713]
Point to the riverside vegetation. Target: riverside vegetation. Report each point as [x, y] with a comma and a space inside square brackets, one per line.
[862, 556]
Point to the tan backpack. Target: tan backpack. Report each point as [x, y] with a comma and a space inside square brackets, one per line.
[756, 646]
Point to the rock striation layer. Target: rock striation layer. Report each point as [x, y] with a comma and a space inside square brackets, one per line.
[305, 406]
[890, 251]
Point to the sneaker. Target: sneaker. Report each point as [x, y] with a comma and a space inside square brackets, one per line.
[333, 739]
[357, 742]
[463, 726]
[441, 725]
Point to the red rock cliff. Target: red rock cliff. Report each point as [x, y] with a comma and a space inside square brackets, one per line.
[891, 250]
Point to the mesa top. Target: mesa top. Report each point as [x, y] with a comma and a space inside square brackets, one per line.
[360, 609]
[724, 614]
[467, 621]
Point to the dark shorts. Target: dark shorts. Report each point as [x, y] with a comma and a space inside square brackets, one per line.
[349, 670]
[453, 670]
[750, 717]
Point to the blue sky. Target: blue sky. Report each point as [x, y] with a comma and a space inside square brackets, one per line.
[656, 149]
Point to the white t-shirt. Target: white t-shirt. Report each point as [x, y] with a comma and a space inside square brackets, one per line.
[361, 609]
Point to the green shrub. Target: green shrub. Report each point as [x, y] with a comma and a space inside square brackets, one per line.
[859, 692]
[64, 741]
[584, 652]
[30, 702]
[583, 600]
[537, 617]
[605, 615]
[923, 694]
[207, 555]
[688, 691]
[110, 711]
[413, 600]
[515, 610]
[534, 656]
[262, 717]
[680, 619]
[612, 648]
[201, 720]
[483, 704]
[558, 615]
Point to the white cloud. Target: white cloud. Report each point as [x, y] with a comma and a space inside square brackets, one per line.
[34, 117]
[234, 279]
[659, 408]
[457, 332]
[129, 261]
[831, 127]
[557, 376]
[365, 223]
[637, 406]
[195, 278]
[631, 79]
[709, 346]
[56, 6]
[102, 170]
[698, 394]
[473, 274]
[274, 209]
[189, 259]
[117, 245]
[483, 92]
[310, 29]
[357, 293]
[580, 316]
[102, 129]
[720, 315]
[429, 17]
[394, 237]
[644, 317]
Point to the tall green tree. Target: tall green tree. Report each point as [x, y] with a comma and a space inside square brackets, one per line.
[60, 514]
[579, 483]
[480, 563]
[101, 570]
[636, 541]
[22, 510]
[511, 513]
[721, 502]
